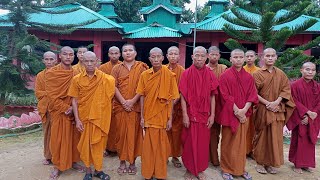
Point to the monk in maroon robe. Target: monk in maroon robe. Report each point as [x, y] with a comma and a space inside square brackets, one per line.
[304, 122]
[238, 92]
[198, 87]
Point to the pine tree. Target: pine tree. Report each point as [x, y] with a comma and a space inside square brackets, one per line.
[23, 48]
[262, 28]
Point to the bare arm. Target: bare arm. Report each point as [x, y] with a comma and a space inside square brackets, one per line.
[142, 111]
[76, 114]
[212, 112]
[186, 120]
[119, 96]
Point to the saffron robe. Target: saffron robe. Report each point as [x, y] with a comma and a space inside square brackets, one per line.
[159, 90]
[197, 86]
[268, 139]
[177, 120]
[64, 135]
[306, 95]
[42, 106]
[237, 88]
[251, 132]
[129, 140]
[94, 96]
[78, 68]
[216, 127]
[112, 136]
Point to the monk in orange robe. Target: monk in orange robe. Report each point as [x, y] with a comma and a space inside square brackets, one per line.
[49, 60]
[79, 68]
[64, 136]
[250, 67]
[174, 134]
[158, 89]
[114, 54]
[92, 93]
[127, 109]
[218, 70]
[273, 111]
[238, 94]
[198, 87]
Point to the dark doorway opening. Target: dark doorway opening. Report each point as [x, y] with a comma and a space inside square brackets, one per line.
[76, 44]
[225, 52]
[189, 52]
[105, 48]
[143, 49]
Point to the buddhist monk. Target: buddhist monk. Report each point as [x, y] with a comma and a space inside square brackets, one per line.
[198, 87]
[174, 134]
[158, 89]
[92, 93]
[79, 68]
[64, 136]
[250, 67]
[127, 109]
[49, 60]
[114, 55]
[273, 111]
[217, 69]
[304, 122]
[238, 93]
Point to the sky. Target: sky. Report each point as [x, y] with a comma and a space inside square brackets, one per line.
[192, 5]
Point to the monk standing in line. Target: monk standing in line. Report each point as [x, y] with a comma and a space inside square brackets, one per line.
[305, 121]
[273, 111]
[92, 92]
[49, 60]
[79, 68]
[198, 87]
[127, 109]
[218, 70]
[64, 136]
[114, 55]
[238, 93]
[250, 67]
[174, 134]
[158, 89]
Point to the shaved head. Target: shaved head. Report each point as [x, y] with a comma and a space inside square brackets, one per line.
[307, 64]
[308, 71]
[213, 49]
[199, 49]
[173, 48]
[66, 55]
[268, 50]
[155, 49]
[49, 59]
[50, 54]
[114, 48]
[236, 51]
[66, 48]
[90, 61]
[251, 51]
[89, 54]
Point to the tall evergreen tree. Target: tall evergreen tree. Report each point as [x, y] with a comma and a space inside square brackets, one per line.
[270, 14]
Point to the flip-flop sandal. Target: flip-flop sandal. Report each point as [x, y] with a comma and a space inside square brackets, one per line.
[54, 175]
[132, 170]
[176, 163]
[102, 175]
[297, 170]
[202, 176]
[247, 176]
[308, 170]
[227, 176]
[122, 170]
[79, 168]
[260, 169]
[88, 177]
[46, 162]
[271, 170]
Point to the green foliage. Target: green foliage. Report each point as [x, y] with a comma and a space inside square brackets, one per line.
[25, 100]
[225, 62]
[262, 29]
[314, 9]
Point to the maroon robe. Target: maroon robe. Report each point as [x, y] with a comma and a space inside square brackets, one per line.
[197, 86]
[304, 137]
[236, 88]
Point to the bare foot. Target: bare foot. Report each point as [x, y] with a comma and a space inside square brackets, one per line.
[189, 176]
[122, 169]
[132, 169]
[78, 167]
[297, 170]
[54, 174]
[202, 176]
[176, 162]
[307, 169]
[46, 161]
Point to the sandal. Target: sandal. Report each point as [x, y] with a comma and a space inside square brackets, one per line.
[78, 168]
[202, 176]
[189, 176]
[54, 174]
[122, 170]
[271, 170]
[298, 170]
[102, 175]
[227, 176]
[88, 177]
[247, 176]
[176, 163]
[260, 169]
[46, 162]
[308, 170]
[132, 170]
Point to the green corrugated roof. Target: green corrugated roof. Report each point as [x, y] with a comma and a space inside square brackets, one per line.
[153, 31]
[168, 7]
[217, 22]
[127, 27]
[210, 2]
[78, 16]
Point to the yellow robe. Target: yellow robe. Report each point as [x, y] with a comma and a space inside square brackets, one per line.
[107, 67]
[78, 68]
[94, 96]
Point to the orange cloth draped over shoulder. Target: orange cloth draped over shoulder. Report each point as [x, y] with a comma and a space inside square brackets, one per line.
[129, 140]
[94, 96]
[107, 67]
[42, 106]
[78, 68]
[268, 139]
[64, 135]
[174, 134]
[159, 90]
[251, 132]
